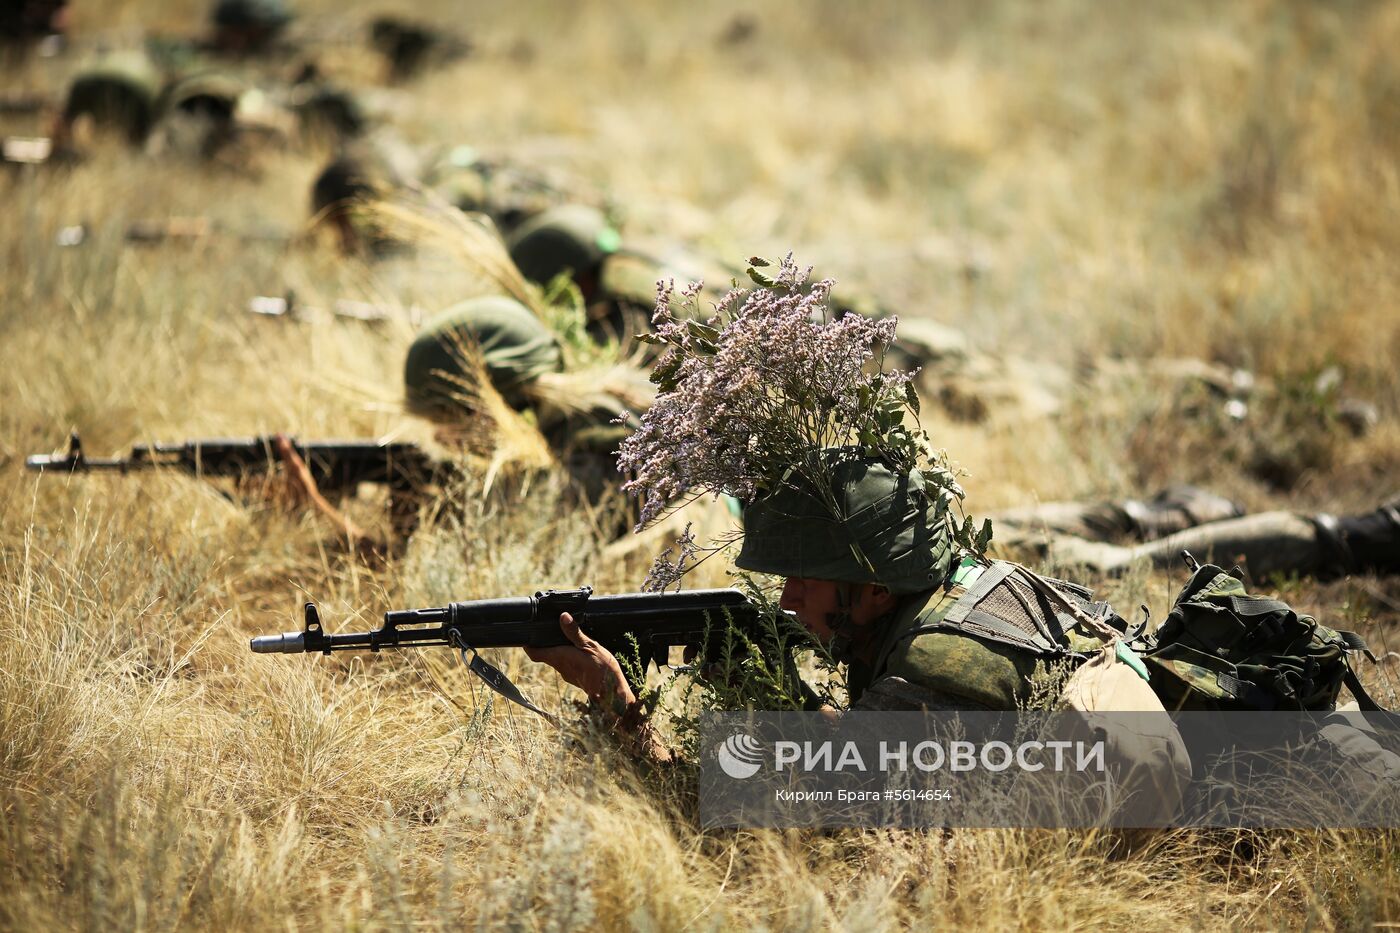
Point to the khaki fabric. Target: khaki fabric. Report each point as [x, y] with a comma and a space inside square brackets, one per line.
[1152, 761]
[1371, 768]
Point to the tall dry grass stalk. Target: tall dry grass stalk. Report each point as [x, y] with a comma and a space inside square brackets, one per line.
[1066, 181]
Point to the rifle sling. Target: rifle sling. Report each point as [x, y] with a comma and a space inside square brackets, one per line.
[496, 679]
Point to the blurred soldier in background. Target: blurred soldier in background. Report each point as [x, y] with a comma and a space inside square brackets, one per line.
[508, 192]
[363, 171]
[410, 47]
[217, 115]
[492, 378]
[1111, 537]
[576, 412]
[372, 168]
[243, 27]
[117, 94]
[24, 23]
[617, 279]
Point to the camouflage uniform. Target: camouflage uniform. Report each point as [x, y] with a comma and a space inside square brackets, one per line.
[966, 634]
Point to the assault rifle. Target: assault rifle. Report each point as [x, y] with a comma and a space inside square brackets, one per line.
[337, 466]
[192, 229]
[287, 307]
[643, 626]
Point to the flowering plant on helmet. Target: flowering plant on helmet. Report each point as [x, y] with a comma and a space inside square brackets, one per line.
[780, 403]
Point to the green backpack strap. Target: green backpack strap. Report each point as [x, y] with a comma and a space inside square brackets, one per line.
[1363, 699]
[1355, 642]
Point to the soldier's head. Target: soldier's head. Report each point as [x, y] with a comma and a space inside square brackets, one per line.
[116, 94]
[336, 195]
[329, 113]
[211, 95]
[403, 43]
[850, 547]
[24, 21]
[509, 194]
[241, 26]
[495, 335]
[342, 194]
[571, 239]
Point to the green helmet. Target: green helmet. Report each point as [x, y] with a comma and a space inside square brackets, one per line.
[516, 347]
[212, 94]
[881, 530]
[632, 275]
[328, 112]
[117, 91]
[366, 170]
[509, 194]
[572, 238]
[251, 14]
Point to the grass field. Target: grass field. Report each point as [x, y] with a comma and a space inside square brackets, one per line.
[1066, 182]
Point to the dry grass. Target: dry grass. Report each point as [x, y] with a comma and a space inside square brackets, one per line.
[1066, 181]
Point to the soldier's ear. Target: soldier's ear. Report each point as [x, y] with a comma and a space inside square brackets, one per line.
[882, 598]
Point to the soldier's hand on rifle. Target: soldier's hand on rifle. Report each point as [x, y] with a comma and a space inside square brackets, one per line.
[300, 489]
[299, 486]
[589, 666]
[594, 670]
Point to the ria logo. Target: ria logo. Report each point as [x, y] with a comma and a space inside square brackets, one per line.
[740, 756]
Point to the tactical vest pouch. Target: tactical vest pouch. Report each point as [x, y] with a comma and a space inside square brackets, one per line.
[1222, 649]
[1007, 604]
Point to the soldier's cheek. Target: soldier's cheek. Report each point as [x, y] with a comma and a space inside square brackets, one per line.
[815, 624]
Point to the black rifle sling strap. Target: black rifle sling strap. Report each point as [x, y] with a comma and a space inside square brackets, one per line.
[496, 679]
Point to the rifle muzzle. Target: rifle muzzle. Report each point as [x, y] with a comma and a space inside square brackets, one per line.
[286, 643]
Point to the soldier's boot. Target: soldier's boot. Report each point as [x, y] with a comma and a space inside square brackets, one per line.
[1175, 509]
[1367, 543]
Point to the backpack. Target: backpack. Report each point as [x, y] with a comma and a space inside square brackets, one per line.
[1222, 649]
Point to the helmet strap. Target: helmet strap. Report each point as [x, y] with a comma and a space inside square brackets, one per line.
[845, 632]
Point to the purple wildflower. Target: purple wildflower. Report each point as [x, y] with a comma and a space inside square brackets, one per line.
[763, 386]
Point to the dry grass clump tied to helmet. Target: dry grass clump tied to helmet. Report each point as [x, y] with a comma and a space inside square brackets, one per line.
[771, 389]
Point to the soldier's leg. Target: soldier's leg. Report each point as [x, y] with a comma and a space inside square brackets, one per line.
[1169, 511]
[1264, 544]
[1097, 521]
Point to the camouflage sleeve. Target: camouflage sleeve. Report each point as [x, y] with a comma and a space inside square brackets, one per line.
[895, 694]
